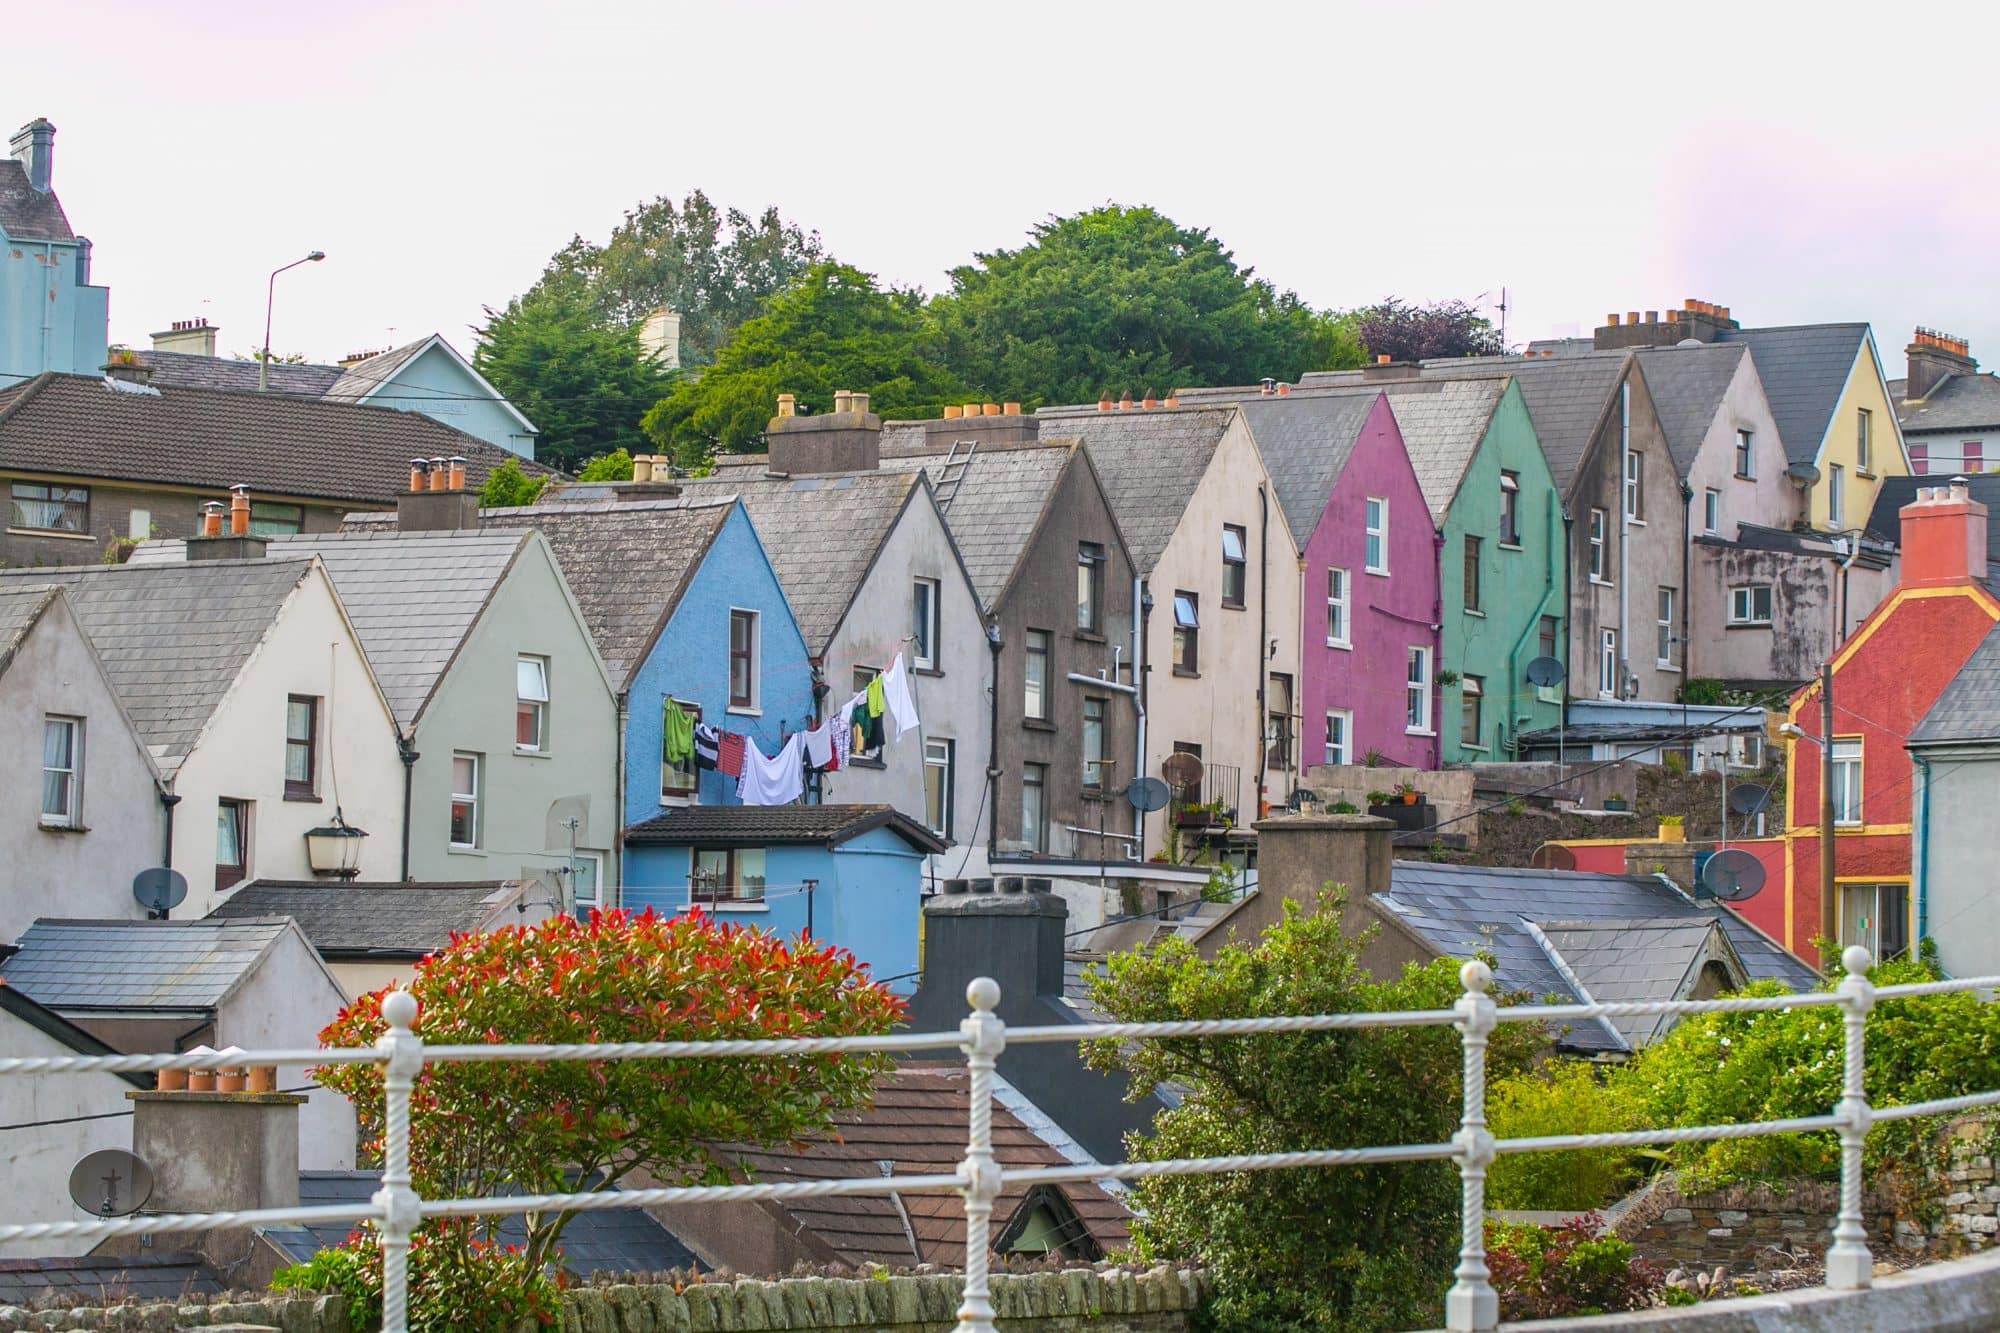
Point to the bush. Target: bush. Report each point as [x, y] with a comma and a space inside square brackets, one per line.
[1548, 1273]
[1562, 1097]
[507, 487]
[614, 466]
[456, 1281]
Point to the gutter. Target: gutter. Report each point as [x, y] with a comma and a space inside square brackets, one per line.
[170, 798]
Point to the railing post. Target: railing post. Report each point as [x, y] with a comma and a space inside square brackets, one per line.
[398, 1204]
[985, 1038]
[1472, 1306]
[1848, 1263]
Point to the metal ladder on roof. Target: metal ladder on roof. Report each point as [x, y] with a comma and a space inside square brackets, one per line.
[954, 470]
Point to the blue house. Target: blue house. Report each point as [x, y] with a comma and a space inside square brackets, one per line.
[850, 875]
[51, 317]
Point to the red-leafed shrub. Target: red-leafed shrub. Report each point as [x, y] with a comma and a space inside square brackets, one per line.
[457, 1281]
[1550, 1272]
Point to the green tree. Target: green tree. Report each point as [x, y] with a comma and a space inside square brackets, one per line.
[1404, 332]
[834, 329]
[508, 487]
[614, 466]
[1347, 1248]
[584, 383]
[1123, 299]
[477, 1128]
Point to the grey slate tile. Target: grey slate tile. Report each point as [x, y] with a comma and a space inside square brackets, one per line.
[177, 965]
[1804, 369]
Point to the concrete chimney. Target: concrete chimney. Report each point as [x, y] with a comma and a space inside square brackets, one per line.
[219, 1152]
[660, 337]
[1933, 356]
[34, 147]
[1675, 860]
[847, 439]
[196, 337]
[1944, 537]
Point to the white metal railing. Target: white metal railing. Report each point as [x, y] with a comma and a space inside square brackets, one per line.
[1471, 1304]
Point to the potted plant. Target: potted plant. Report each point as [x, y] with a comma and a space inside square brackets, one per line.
[1672, 828]
[1446, 676]
[1378, 798]
[1408, 793]
[1344, 808]
[1615, 803]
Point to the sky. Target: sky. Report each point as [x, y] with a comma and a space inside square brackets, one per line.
[1795, 163]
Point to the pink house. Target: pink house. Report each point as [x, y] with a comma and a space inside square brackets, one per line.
[1369, 624]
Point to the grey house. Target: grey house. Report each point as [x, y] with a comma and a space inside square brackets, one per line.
[1956, 751]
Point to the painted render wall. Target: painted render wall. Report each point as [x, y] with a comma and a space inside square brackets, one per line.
[952, 701]
[310, 650]
[72, 872]
[1866, 389]
[1957, 791]
[36, 1163]
[436, 384]
[282, 1004]
[1767, 497]
[473, 711]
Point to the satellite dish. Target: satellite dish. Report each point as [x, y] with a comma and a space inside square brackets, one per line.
[1182, 769]
[1546, 671]
[110, 1182]
[1803, 474]
[556, 835]
[159, 889]
[1553, 856]
[1749, 799]
[1147, 794]
[1732, 875]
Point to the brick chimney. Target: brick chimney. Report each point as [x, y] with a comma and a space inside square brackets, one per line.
[227, 537]
[1931, 357]
[1694, 319]
[437, 500]
[34, 147]
[196, 337]
[847, 439]
[1944, 537]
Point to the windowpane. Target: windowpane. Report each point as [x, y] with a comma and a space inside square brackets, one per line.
[1510, 509]
[531, 685]
[465, 800]
[1744, 453]
[1836, 494]
[1635, 484]
[1093, 744]
[1876, 917]
[1666, 643]
[749, 873]
[937, 786]
[1278, 725]
[1234, 566]
[1376, 555]
[1033, 784]
[232, 842]
[275, 520]
[1607, 664]
[1597, 544]
[1711, 511]
[1336, 607]
[531, 679]
[1750, 604]
[1472, 701]
[1036, 700]
[742, 659]
[923, 628]
[1472, 550]
[1550, 629]
[60, 744]
[1337, 724]
[53, 508]
[301, 742]
[1864, 437]
[1089, 583]
[1846, 781]
[678, 781]
[1187, 633]
[1417, 693]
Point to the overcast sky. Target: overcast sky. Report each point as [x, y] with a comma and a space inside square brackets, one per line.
[1794, 163]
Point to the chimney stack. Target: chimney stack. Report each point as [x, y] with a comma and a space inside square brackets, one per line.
[219, 1152]
[1931, 358]
[34, 147]
[195, 337]
[1701, 321]
[437, 500]
[660, 337]
[1944, 537]
[847, 439]
[233, 542]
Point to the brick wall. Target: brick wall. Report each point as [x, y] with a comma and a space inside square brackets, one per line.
[168, 514]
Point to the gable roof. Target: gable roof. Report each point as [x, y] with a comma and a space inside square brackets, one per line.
[28, 214]
[1646, 958]
[15, 1001]
[1969, 709]
[737, 825]
[1306, 441]
[173, 637]
[997, 507]
[179, 966]
[365, 380]
[1957, 402]
[21, 608]
[1150, 461]
[349, 921]
[1688, 385]
[1804, 368]
[1885, 520]
[277, 444]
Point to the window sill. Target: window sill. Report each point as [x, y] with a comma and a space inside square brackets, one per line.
[53, 532]
[1474, 749]
[48, 827]
[455, 850]
[746, 710]
[745, 906]
[1747, 624]
[926, 671]
[1088, 636]
[1635, 522]
[1232, 606]
[865, 763]
[1186, 674]
[1666, 666]
[520, 753]
[1597, 582]
[1864, 474]
[1096, 794]
[1344, 645]
[677, 800]
[1475, 611]
[1418, 731]
[1038, 724]
[1376, 573]
[1743, 476]
[304, 798]
[1516, 547]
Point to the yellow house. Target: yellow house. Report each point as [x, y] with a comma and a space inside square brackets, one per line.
[1831, 402]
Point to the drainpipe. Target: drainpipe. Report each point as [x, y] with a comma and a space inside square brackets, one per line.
[1920, 849]
[1687, 594]
[1263, 639]
[1624, 538]
[169, 799]
[1533, 623]
[1853, 545]
[1139, 618]
[1568, 624]
[48, 269]
[409, 757]
[618, 800]
[993, 750]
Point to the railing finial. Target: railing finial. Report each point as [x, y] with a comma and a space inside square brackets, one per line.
[1848, 1262]
[401, 1211]
[985, 1037]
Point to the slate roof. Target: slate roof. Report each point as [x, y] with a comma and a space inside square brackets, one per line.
[93, 1280]
[191, 370]
[346, 921]
[179, 966]
[1969, 708]
[611, 1240]
[739, 825]
[1566, 396]
[1886, 519]
[1804, 368]
[1462, 909]
[1642, 959]
[277, 444]
[1150, 461]
[172, 637]
[1957, 403]
[28, 214]
[917, 1125]
[997, 507]
[15, 1001]
[1688, 385]
[1305, 441]
[362, 378]
[822, 534]
[20, 608]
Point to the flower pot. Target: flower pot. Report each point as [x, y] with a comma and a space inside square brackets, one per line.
[1409, 798]
[1673, 833]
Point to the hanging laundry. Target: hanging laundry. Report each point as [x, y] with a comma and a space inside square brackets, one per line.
[842, 731]
[778, 780]
[896, 697]
[867, 730]
[707, 742]
[729, 754]
[819, 747]
[877, 700]
[676, 734]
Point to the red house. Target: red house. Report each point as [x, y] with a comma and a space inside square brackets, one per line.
[1885, 678]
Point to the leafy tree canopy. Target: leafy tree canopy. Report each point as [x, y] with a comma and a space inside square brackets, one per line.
[834, 329]
[614, 466]
[508, 487]
[583, 382]
[1405, 332]
[1119, 299]
[479, 1128]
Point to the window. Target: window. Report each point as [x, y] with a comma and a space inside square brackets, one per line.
[727, 875]
[1847, 780]
[465, 800]
[1278, 727]
[1635, 486]
[1336, 609]
[1187, 634]
[1234, 566]
[1711, 511]
[1035, 700]
[1510, 509]
[588, 890]
[678, 784]
[531, 704]
[1547, 639]
[1836, 494]
[1339, 737]
[1471, 711]
[1377, 561]
[1089, 585]
[866, 758]
[232, 843]
[1876, 917]
[1864, 439]
[1417, 692]
[743, 660]
[1666, 643]
[51, 508]
[62, 770]
[301, 747]
[1093, 744]
[1973, 454]
[1744, 454]
[1472, 547]
[939, 766]
[924, 625]
[1746, 750]
[1034, 823]
[1750, 604]
[1920, 460]
[269, 520]
[1607, 665]
[139, 524]
[1597, 545]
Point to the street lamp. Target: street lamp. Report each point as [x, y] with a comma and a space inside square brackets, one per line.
[1829, 920]
[270, 291]
[335, 849]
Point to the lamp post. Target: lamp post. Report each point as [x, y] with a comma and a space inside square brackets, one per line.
[270, 292]
[1829, 918]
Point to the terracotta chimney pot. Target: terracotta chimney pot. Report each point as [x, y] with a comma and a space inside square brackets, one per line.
[1149, 402]
[1010, 409]
[437, 475]
[1611, 320]
[1382, 358]
[1171, 400]
[455, 474]
[972, 409]
[231, 1079]
[211, 518]
[1631, 317]
[418, 466]
[171, 1080]
[1283, 389]
[788, 404]
[239, 511]
[1104, 402]
[843, 400]
[642, 467]
[952, 412]
[263, 1078]
[990, 409]
[1652, 316]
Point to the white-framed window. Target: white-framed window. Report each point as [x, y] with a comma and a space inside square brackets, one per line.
[1847, 779]
[924, 624]
[1711, 511]
[531, 704]
[1745, 454]
[1607, 665]
[1034, 816]
[1035, 692]
[727, 874]
[1235, 564]
[1836, 495]
[1187, 633]
[1377, 555]
[1864, 440]
[1339, 736]
[1510, 509]
[588, 891]
[465, 775]
[49, 508]
[1417, 691]
[1635, 486]
[62, 772]
[1876, 917]
[743, 654]
[1596, 534]
[1471, 711]
[301, 747]
[678, 782]
[1089, 586]
[1666, 643]
[1746, 749]
[1750, 604]
[939, 763]
[1338, 631]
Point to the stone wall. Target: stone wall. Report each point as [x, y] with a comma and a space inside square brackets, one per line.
[1076, 1300]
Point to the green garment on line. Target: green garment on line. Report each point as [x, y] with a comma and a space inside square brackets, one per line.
[676, 735]
[877, 701]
